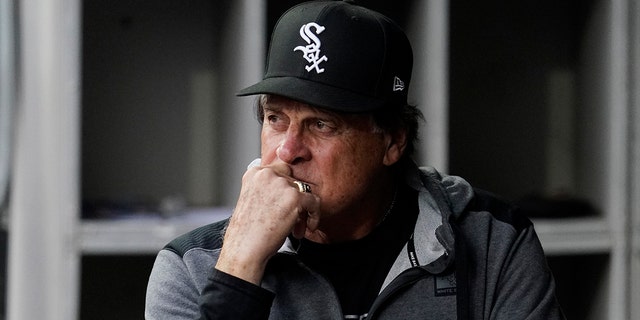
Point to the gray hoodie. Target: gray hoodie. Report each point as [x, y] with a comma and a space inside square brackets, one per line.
[472, 256]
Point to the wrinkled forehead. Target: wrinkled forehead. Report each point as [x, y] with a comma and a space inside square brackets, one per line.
[275, 102]
[279, 103]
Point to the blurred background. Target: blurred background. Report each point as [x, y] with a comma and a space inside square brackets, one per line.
[120, 129]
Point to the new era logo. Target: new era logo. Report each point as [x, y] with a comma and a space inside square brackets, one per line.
[398, 85]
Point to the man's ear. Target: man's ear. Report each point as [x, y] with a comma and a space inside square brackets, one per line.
[396, 144]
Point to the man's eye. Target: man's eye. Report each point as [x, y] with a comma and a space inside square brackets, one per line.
[275, 121]
[322, 126]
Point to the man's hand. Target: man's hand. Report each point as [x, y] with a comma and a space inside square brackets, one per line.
[270, 207]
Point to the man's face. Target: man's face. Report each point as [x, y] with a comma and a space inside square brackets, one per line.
[341, 156]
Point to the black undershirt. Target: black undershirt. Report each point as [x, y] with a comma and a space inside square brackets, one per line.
[357, 269]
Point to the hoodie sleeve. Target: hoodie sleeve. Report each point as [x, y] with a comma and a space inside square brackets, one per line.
[228, 297]
[172, 294]
[506, 275]
[525, 287]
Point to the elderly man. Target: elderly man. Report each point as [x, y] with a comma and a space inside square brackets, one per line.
[335, 221]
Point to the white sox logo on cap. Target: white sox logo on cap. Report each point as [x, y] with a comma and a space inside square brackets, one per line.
[337, 55]
[311, 52]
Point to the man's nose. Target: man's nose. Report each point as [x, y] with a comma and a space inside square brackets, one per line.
[293, 148]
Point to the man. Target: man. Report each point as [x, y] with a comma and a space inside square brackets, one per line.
[335, 221]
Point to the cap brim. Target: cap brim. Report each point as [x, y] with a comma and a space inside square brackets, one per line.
[315, 94]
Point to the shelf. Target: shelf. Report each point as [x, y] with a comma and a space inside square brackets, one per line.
[574, 236]
[149, 235]
[146, 235]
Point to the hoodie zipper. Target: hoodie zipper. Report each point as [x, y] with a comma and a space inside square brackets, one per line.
[403, 280]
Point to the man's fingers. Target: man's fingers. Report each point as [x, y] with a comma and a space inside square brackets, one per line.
[308, 218]
[281, 169]
[269, 183]
[313, 221]
[299, 228]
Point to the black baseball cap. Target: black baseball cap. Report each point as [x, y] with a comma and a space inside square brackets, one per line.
[337, 55]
